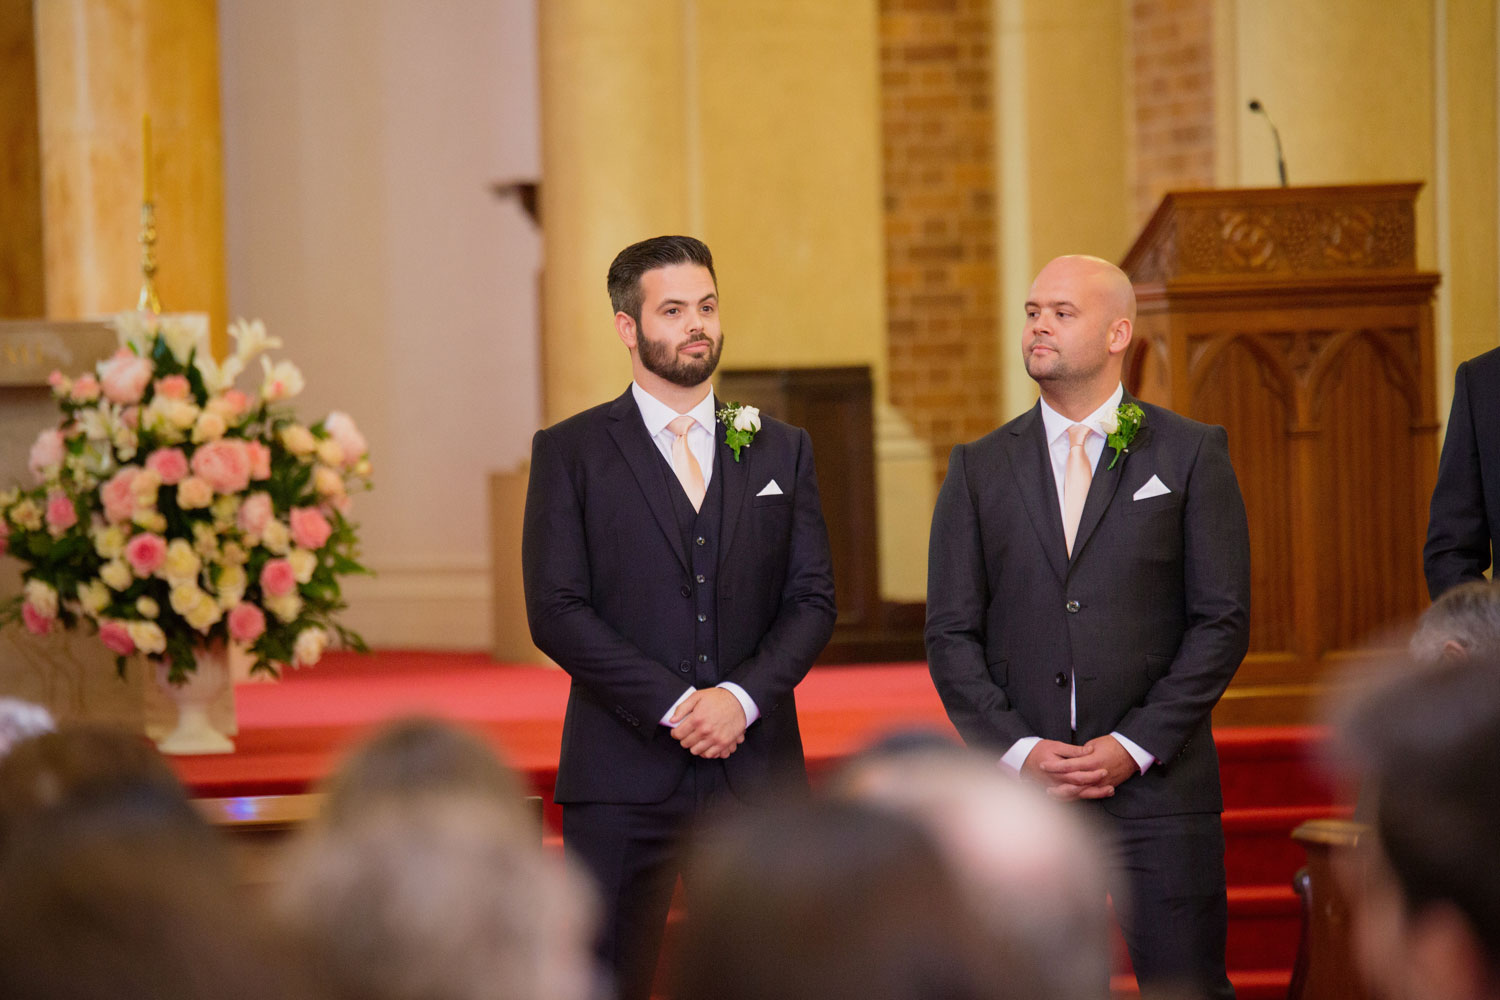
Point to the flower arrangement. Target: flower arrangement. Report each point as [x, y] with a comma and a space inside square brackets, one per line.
[1121, 427]
[172, 510]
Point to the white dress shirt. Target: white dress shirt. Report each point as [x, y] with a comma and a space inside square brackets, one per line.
[1055, 426]
[657, 415]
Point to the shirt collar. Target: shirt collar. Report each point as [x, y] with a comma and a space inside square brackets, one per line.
[657, 415]
[1056, 425]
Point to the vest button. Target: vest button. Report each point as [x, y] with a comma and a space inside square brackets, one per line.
[702, 617]
[700, 578]
[1072, 607]
[1061, 680]
[686, 591]
[685, 666]
[700, 540]
[702, 657]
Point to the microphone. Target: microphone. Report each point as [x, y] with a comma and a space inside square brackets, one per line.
[1257, 108]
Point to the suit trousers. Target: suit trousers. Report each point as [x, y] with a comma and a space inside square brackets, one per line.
[634, 853]
[1168, 883]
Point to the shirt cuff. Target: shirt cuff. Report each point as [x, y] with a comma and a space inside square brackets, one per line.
[743, 697]
[666, 720]
[1018, 752]
[1143, 759]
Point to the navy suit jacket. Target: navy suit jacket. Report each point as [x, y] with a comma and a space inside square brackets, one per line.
[1150, 617]
[1465, 515]
[608, 596]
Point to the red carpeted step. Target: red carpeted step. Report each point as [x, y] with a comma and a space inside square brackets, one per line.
[1272, 766]
[1259, 849]
[1249, 984]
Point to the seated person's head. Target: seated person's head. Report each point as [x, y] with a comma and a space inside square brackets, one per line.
[1464, 621]
[830, 901]
[1426, 744]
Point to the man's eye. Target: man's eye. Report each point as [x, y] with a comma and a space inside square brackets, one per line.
[672, 311]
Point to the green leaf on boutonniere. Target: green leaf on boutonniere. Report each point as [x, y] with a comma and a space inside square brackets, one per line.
[1127, 421]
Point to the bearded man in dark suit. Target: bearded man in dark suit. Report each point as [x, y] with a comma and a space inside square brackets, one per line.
[1088, 602]
[683, 578]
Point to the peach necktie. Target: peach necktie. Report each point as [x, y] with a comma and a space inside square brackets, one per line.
[1077, 475]
[684, 464]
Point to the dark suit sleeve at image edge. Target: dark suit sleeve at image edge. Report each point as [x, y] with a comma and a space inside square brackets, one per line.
[1458, 530]
[564, 625]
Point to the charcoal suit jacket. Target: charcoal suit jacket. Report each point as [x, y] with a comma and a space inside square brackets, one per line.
[1149, 618]
[1464, 520]
[610, 597]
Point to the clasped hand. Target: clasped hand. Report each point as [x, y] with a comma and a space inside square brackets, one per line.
[1068, 772]
[709, 723]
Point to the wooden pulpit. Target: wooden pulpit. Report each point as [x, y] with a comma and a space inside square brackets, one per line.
[1297, 319]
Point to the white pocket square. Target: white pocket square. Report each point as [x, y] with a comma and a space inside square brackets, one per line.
[770, 490]
[1154, 488]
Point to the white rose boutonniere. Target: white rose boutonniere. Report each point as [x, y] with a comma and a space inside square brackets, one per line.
[741, 424]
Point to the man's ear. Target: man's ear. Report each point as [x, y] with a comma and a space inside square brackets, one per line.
[625, 327]
[1120, 332]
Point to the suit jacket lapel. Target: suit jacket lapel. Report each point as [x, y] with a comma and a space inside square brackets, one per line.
[736, 479]
[1105, 483]
[629, 432]
[1032, 466]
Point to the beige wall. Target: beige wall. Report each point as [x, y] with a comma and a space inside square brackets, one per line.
[361, 138]
[752, 124]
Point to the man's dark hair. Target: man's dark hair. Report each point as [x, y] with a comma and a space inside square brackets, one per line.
[1428, 745]
[648, 255]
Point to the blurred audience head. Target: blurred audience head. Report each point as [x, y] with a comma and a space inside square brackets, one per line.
[830, 900]
[426, 880]
[115, 888]
[415, 759]
[1464, 621]
[1425, 743]
[21, 720]
[1033, 873]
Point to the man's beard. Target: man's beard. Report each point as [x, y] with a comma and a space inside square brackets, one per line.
[664, 361]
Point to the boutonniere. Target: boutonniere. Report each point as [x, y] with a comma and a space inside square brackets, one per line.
[1121, 426]
[740, 426]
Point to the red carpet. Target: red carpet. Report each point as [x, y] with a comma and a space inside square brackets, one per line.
[293, 732]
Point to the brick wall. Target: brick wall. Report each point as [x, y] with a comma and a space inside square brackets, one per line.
[1172, 64]
[938, 129]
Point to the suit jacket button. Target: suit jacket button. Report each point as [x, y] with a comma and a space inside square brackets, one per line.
[686, 591]
[1072, 607]
[701, 540]
[1061, 679]
[700, 577]
[685, 666]
[702, 657]
[702, 617]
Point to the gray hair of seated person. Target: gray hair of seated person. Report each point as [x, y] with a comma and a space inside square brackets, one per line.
[1031, 868]
[438, 898]
[21, 720]
[1463, 621]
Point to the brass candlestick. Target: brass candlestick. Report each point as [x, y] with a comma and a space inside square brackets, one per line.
[148, 301]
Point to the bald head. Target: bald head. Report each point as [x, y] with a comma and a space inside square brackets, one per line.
[1080, 314]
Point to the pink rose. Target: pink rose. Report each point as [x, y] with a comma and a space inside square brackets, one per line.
[231, 405]
[46, 451]
[168, 463]
[124, 376]
[246, 622]
[116, 636]
[59, 382]
[118, 494]
[173, 386]
[224, 465]
[36, 622]
[277, 578]
[146, 553]
[255, 513]
[61, 514]
[340, 427]
[85, 389]
[131, 417]
[310, 529]
[260, 459]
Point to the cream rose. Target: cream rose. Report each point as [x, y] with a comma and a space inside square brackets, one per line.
[41, 596]
[286, 607]
[194, 493]
[94, 596]
[747, 419]
[328, 482]
[147, 607]
[276, 537]
[182, 563]
[1109, 423]
[303, 563]
[116, 574]
[298, 439]
[308, 649]
[210, 426]
[148, 637]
